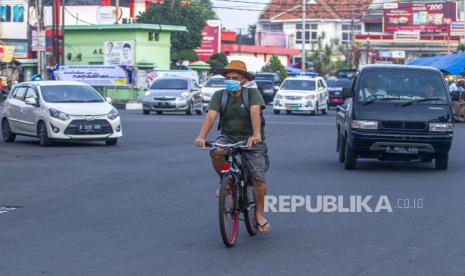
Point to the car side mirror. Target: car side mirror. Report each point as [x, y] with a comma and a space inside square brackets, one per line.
[276, 87]
[31, 101]
[347, 92]
[109, 100]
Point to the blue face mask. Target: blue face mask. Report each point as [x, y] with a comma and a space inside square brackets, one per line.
[232, 85]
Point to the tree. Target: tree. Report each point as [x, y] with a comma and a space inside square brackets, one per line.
[274, 65]
[217, 62]
[249, 38]
[176, 12]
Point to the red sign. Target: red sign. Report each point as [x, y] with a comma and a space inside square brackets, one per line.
[419, 17]
[211, 40]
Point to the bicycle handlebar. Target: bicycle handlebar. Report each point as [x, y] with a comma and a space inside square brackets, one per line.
[214, 145]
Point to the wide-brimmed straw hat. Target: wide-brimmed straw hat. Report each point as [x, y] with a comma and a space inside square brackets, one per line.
[237, 66]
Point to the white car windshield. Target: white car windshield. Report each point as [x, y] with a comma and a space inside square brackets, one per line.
[70, 94]
[404, 85]
[303, 85]
[217, 82]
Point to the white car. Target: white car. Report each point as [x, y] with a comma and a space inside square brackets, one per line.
[214, 84]
[302, 94]
[59, 110]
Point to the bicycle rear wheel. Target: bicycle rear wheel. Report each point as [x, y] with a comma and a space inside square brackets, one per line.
[228, 212]
[248, 199]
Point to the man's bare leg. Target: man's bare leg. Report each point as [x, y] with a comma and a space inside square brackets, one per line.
[259, 190]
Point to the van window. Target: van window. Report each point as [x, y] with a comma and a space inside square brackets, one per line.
[401, 86]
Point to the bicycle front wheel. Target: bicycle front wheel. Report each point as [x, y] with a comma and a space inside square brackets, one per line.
[228, 211]
[248, 200]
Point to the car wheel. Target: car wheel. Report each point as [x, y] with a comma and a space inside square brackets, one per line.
[350, 160]
[315, 112]
[288, 112]
[111, 142]
[341, 149]
[442, 161]
[146, 112]
[159, 112]
[277, 112]
[7, 134]
[190, 109]
[44, 140]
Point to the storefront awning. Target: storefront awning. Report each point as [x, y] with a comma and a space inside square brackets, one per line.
[453, 64]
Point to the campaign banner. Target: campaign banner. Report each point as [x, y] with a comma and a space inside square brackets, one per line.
[118, 53]
[419, 17]
[211, 40]
[6, 53]
[457, 28]
[271, 39]
[96, 75]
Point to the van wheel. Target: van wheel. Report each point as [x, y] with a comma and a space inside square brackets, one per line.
[111, 142]
[159, 112]
[146, 112]
[341, 149]
[288, 112]
[44, 141]
[350, 161]
[277, 112]
[442, 161]
[7, 134]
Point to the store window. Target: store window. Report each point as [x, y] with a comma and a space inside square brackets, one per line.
[347, 32]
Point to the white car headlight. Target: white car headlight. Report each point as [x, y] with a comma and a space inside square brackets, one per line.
[310, 97]
[278, 96]
[441, 127]
[147, 94]
[58, 114]
[184, 94]
[113, 114]
[360, 124]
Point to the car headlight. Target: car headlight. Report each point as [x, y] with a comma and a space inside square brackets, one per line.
[184, 94]
[278, 96]
[441, 127]
[147, 94]
[113, 114]
[310, 97]
[357, 124]
[58, 114]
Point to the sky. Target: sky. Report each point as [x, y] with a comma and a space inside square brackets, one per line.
[238, 19]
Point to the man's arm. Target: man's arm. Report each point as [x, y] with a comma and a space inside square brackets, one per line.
[206, 127]
[255, 111]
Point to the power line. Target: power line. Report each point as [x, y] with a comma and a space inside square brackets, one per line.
[72, 15]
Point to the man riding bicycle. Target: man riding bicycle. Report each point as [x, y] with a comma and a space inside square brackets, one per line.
[240, 120]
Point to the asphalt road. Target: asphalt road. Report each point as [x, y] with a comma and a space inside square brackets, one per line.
[146, 207]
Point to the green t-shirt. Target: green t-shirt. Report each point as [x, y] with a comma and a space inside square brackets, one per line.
[236, 122]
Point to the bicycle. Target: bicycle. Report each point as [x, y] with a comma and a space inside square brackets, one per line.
[236, 195]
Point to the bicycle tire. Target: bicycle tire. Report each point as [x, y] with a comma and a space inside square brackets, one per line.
[248, 201]
[228, 211]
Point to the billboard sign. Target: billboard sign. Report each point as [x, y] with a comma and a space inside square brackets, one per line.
[271, 39]
[411, 36]
[457, 28]
[419, 17]
[38, 41]
[118, 53]
[211, 40]
[96, 75]
[6, 53]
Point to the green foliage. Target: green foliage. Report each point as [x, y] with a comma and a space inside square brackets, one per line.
[174, 13]
[249, 38]
[461, 48]
[217, 62]
[274, 65]
[186, 54]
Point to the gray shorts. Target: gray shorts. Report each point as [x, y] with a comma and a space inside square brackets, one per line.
[254, 161]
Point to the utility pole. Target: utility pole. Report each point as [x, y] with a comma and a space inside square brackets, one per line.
[352, 33]
[41, 60]
[117, 11]
[304, 15]
[62, 60]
